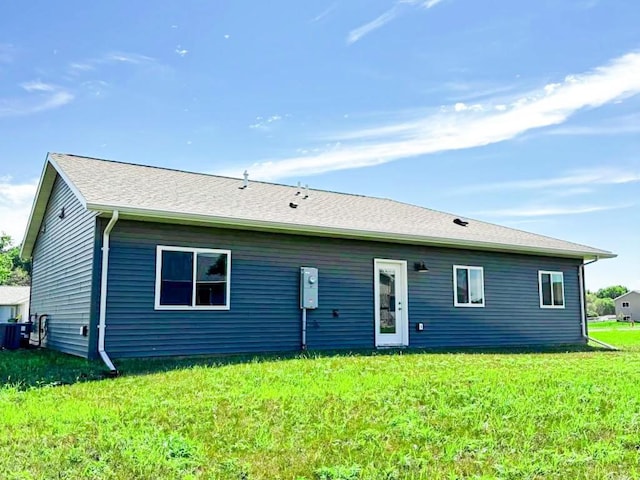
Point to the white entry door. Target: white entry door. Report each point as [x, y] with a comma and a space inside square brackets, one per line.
[391, 306]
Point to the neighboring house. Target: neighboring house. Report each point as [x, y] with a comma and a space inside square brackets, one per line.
[628, 306]
[14, 303]
[202, 264]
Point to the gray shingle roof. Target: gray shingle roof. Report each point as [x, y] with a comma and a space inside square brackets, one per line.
[136, 188]
[14, 295]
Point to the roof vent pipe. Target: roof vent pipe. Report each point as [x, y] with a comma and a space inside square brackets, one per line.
[103, 294]
[245, 182]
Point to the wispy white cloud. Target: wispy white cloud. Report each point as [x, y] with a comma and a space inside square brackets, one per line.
[81, 67]
[421, 3]
[181, 51]
[324, 13]
[38, 86]
[110, 58]
[264, 122]
[40, 97]
[576, 178]
[463, 107]
[15, 205]
[357, 33]
[547, 211]
[623, 125]
[95, 87]
[445, 129]
[123, 57]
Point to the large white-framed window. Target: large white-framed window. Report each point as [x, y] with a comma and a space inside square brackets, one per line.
[551, 285]
[192, 278]
[468, 286]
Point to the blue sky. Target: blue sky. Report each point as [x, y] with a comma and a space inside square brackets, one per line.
[520, 113]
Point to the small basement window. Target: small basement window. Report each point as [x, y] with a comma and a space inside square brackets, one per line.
[192, 278]
[625, 304]
[468, 286]
[551, 286]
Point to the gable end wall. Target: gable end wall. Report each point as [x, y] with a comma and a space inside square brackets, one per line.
[61, 282]
[633, 310]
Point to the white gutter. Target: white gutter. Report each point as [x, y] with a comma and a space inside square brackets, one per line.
[583, 311]
[103, 293]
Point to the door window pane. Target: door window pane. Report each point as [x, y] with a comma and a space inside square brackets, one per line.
[387, 285]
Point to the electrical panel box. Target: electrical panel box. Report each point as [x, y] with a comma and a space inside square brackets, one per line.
[308, 287]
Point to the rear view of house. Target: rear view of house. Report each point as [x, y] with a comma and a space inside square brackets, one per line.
[133, 261]
[628, 306]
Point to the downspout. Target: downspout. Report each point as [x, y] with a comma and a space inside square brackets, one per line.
[583, 310]
[103, 294]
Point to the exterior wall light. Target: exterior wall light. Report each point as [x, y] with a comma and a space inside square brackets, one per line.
[420, 267]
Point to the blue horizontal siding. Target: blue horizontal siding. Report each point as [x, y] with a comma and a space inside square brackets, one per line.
[61, 281]
[265, 314]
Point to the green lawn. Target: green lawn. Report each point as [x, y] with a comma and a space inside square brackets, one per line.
[376, 416]
[626, 339]
[609, 325]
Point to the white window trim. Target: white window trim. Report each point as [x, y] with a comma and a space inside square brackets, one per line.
[195, 251]
[551, 273]
[455, 286]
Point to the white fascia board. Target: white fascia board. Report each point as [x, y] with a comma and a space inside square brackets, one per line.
[39, 205]
[38, 209]
[197, 219]
[69, 183]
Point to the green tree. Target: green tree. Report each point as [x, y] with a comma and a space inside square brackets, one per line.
[5, 268]
[612, 292]
[604, 306]
[13, 269]
[591, 308]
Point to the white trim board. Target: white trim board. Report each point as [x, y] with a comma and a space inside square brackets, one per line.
[404, 328]
[194, 251]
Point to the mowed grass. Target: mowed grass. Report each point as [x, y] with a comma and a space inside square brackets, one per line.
[627, 339]
[610, 325]
[377, 416]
